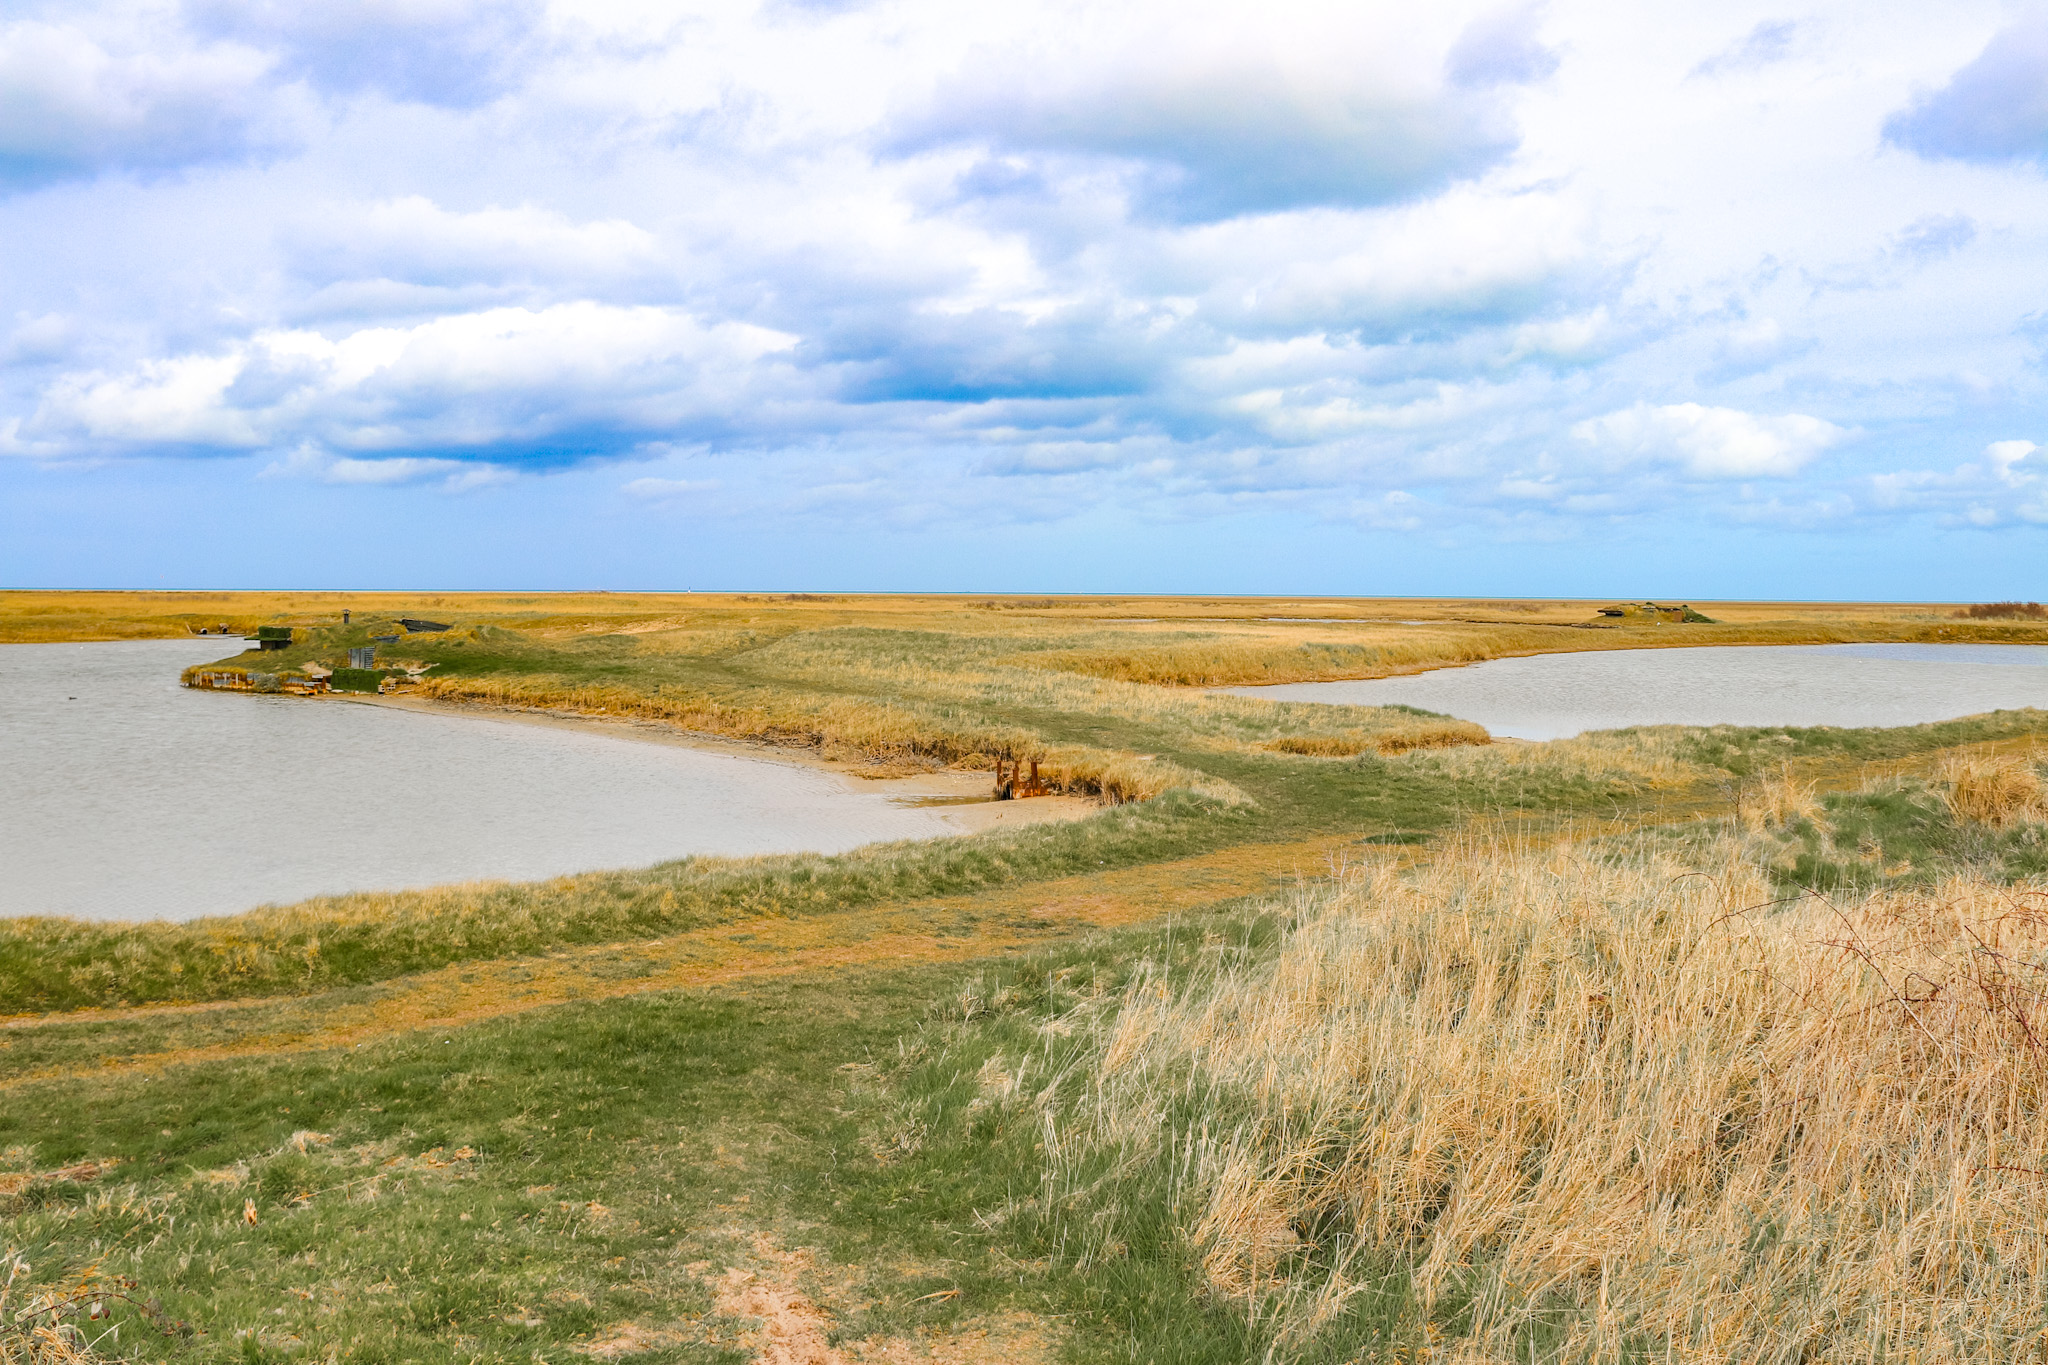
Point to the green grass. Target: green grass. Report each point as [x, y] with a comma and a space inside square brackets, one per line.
[435, 1264]
[1901, 834]
[1748, 751]
[821, 1112]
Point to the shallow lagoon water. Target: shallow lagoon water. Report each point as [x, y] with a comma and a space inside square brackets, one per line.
[126, 796]
[1551, 696]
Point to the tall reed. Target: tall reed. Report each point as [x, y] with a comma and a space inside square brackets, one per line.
[1582, 1106]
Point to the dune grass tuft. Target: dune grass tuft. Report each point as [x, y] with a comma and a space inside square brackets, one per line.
[1996, 791]
[1781, 801]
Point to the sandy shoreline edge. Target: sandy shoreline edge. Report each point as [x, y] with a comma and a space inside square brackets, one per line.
[977, 810]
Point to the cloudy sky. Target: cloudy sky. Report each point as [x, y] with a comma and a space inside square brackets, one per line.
[1579, 297]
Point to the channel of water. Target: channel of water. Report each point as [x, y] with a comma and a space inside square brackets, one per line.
[126, 796]
[1551, 696]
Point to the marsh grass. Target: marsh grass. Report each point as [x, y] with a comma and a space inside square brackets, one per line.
[1247, 656]
[1397, 739]
[1997, 791]
[1570, 1105]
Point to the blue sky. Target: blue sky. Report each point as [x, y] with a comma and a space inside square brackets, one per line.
[1586, 298]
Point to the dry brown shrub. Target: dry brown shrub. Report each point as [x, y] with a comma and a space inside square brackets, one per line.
[1436, 734]
[1642, 1101]
[1321, 746]
[1996, 791]
[2007, 611]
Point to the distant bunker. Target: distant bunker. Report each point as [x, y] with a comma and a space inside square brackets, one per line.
[1652, 613]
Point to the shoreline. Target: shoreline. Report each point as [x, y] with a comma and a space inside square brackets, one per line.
[958, 797]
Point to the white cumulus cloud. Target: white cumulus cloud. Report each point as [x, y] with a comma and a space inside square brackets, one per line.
[562, 383]
[1712, 443]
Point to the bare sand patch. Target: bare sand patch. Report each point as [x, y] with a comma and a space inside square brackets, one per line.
[966, 797]
[794, 1329]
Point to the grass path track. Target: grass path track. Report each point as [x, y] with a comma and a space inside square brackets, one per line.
[941, 929]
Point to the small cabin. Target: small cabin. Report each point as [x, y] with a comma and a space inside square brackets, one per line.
[273, 637]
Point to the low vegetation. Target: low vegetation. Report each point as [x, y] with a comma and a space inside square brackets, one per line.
[2005, 611]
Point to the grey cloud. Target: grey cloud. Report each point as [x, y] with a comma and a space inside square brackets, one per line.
[972, 357]
[1212, 145]
[1933, 237]
[1501, 50]
[75, 103]
[453, 53]
[1994, 109]
[1768, 42]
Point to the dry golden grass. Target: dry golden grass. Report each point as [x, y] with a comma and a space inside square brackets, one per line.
[1253, 656]
[1638, 1106]
[1399, 739]
[63, 1323]
[892, 738]
[30, 615]
[1997, 790]
[1780, 801]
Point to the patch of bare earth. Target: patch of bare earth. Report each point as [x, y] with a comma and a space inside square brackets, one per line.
[630, 1339]
[782, 1324]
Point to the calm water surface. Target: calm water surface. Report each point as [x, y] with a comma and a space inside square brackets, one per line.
[126, 796]
[1550, 696]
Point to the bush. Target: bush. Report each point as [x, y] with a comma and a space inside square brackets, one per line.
[2016, 611]
[356, 679]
